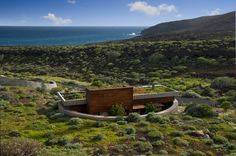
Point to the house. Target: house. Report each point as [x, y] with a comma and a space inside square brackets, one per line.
[99, 101]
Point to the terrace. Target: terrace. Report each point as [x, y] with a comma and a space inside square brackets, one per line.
[134, 99]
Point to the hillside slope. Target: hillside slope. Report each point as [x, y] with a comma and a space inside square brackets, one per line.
[199, 28]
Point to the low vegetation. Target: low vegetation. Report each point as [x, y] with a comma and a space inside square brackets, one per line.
[204, 69]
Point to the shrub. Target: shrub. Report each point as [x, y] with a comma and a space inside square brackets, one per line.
[73, 127]
[164, 152]
[143, 124]
[155, 135]
[223, 83]
[133, 117]
[75, 121]
[120, 118]
[180, 142]
[100, 124]
[176, 133]
[14, 134]
[117, 110]
[187, 117]
[113, 126]
[57, 117]
[150, 107]
[121, 122]
[73, 146]
[200, 111]
[62, 152]
[158, 143]
[98, 137]
[219, 139]
[231, 135]
[143, 146]
[226, 105]
[62, 141]
[152, 117]
[130, 130]
[56, 141]
[191, 94]
[19, 147]
[197, 153]
[97, 83]
[3, 104]
[208, 141]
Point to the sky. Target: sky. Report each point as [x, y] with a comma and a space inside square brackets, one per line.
[106, 12]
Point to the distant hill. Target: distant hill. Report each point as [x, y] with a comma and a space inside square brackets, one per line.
[198, 28]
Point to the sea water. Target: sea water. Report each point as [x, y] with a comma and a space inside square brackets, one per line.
[26, 35]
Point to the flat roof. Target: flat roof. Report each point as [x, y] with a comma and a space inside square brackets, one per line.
[100, 89]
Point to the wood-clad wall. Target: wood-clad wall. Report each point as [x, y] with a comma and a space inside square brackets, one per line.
[101, 100]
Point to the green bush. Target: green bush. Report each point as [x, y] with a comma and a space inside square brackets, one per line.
[14, 133]
[158, 143]
[100, 124]
[208, 142]
[231, 135]
[187, 117]
[143, 146]
[220, 139]
[198, 153]
[75, 121]
[176, 133]
[143, 123]
[133, 117]
[223, 83]
[117, 110]
[152, 117]
[163, 152]
[130, 130]
[180, 142]
[62, 152]
[155, 135]
[57, 117]
[73, 146]
[98, 137]
[226, 105]
[121, 122]
[200, 110]
[56, 141]
[150, 107]
[3, 104]
[19, 147]
[73, 127]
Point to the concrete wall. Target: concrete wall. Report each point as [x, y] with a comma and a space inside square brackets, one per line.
[34, 84]
[101, 100]
[62, 109]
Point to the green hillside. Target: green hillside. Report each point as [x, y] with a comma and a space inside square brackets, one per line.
[130, 62]
[199, 28]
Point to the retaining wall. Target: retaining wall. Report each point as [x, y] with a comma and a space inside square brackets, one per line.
[172, 109]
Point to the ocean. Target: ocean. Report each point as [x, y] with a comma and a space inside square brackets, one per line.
[26, 35]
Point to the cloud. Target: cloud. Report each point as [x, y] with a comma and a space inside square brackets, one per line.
[57, 20]
[217, 11]
[178, 15]
[144, 7]
[71, 1]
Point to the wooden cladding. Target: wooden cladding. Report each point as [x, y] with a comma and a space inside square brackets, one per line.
[101, 100]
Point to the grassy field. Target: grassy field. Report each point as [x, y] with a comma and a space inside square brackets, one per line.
[27, 113]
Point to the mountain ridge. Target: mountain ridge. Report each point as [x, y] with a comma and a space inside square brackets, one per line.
[197, 28]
